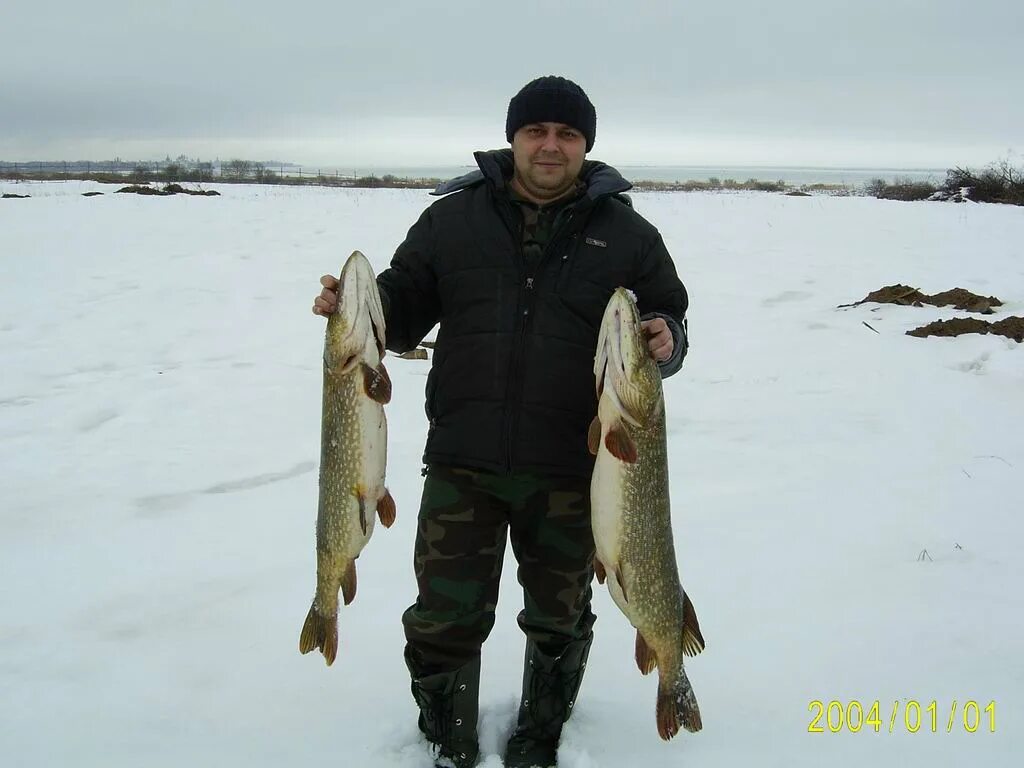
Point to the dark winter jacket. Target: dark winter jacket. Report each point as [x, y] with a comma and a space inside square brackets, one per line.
[511, 388]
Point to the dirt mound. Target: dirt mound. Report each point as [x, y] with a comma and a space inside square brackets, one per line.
[12, 196]
[964, 299]
[955, 327]
[135, 189]
[170, 189]
[91, 194]
[177, 189]
[892, 294]
[959, 298]
[1010, 327]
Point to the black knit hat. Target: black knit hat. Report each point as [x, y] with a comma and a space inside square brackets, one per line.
[552, 99]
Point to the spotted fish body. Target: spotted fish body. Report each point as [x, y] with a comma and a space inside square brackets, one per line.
[630, 512]
[353, 449]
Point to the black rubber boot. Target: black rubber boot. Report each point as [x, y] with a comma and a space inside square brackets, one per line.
[550, 685]
[448, 703]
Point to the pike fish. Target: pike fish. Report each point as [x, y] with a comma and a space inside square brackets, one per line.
[630, 512]
[353, 449]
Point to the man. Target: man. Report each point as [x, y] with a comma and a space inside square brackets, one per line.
[516, 262]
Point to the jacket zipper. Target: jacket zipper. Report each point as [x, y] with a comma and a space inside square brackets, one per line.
[527, 291]
[506, 427]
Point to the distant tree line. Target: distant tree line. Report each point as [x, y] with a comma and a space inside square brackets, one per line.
[173, 172]
[1000, 182]
[231, 171]
[711, 184]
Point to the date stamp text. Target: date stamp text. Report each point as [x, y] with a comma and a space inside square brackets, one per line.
[907, 715]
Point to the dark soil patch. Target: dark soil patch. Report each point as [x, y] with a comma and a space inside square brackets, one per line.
[170, 189]
[91, 194]
[907, 296]
[12, 196]
[1010, 327]
[177, 189]
[893, 294]
[955, 327]
[963, 299]
[798, 193]
[135, 189]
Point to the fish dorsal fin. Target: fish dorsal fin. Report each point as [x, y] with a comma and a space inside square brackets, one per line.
[693, 641]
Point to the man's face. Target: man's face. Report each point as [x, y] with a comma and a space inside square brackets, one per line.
[548, 158]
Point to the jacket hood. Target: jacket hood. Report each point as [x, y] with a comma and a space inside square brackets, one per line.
[496, 166]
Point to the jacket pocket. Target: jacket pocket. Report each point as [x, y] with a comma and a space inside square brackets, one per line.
[430, 400]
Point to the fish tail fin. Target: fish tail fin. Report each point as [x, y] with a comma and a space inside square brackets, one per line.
[386, 510]
[321, 632]
[348, 583]
[693, 640]
[646, 660]
[599, 571]
[677, 708]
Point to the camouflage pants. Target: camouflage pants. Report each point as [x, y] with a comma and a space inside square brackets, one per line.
[460, 544]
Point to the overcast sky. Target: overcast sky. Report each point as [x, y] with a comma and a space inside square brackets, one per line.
[875, 83]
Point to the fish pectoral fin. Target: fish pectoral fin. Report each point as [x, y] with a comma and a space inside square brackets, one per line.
[646, 660]
[620, 444]
[693, 641]
[348, 583]
[362, 510]
[599, 571]
[377, 383]
[621, 581]
[594, 436]
[386, 510]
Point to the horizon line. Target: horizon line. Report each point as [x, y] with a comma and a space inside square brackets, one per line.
[435, 165]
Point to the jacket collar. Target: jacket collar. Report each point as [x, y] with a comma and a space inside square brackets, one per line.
[496, 166]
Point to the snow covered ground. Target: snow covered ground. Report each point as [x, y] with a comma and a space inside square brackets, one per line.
[159, 439]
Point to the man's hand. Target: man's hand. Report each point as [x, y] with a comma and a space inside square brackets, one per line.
[659, 338]
[327, 302]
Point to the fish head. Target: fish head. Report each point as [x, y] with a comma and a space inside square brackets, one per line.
[623, 366]
[355, 330]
